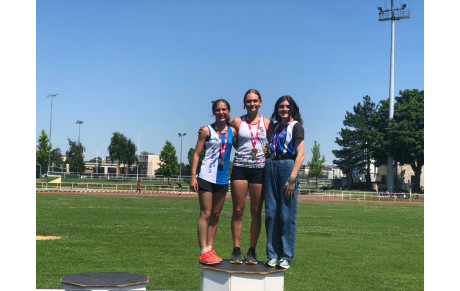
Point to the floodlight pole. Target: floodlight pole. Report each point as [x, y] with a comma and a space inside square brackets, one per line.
[180, 162]
[384, 15]
[137, 163]
[51, 96]
[79, 122]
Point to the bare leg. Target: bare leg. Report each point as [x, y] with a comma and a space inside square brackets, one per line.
[205, 199]
[255, 193]
[239, 190]
[218, 200]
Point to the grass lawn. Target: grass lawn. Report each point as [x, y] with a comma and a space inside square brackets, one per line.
[340, 246]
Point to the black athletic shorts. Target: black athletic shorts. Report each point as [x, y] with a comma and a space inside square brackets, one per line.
[204, 185]
[252, 175]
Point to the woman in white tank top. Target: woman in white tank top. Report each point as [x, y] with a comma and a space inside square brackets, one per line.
[247, 173]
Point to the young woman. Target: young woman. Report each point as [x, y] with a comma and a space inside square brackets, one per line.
[212, 180]
[280, 182]
[247, 173]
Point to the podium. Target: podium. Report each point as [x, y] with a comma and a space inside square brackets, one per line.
[234, 277]
[104, 281]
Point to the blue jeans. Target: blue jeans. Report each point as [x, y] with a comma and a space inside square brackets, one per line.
[280, 213]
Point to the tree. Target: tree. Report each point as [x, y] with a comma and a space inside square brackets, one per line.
[56, 158]
[357, 139]
[407, 132]
[316, 164]
[130, 157]
[75, 157]
[97, 160]
[379, 148]
[43, 150]
[168, 161]
[122, 150]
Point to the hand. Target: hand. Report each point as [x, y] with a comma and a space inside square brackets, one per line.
[289, 190]
[265, 150]
[194, 185]
[201, 129]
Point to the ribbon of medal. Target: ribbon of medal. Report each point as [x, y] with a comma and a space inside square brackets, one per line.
[254, 139]
[278, 136]
[223, 146]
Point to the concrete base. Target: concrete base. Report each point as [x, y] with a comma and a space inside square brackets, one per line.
[234, 277]
[104, 281]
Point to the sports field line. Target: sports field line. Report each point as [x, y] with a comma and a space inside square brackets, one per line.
[194, 195]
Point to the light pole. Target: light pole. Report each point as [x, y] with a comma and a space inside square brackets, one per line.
[180, 162]
[79, 122]
[384, 15]
[51, 96]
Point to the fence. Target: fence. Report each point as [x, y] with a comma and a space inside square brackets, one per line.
[312, 193]
[106, 187]
[364, 196]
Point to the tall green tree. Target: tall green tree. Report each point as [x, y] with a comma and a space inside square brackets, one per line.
[168, 161]
[43, 151]
[379, 148]
[56, 158]
[356, 140]
[75, 157]
[131, 156]
[122, 150]
[407, 132]
[316, 164]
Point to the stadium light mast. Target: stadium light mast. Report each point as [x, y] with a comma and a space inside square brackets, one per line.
[51, 96]
[385, 15]
[180, 162]
[79, 122]
[137, 163]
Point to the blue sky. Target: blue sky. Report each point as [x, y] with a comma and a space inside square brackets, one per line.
[151, 68]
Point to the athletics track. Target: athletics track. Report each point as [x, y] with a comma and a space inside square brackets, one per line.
[193, 195]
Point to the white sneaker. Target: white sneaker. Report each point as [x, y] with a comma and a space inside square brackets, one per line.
[283, 264]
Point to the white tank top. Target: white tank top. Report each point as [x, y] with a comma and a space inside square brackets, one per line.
[210, 169]
[243, 155]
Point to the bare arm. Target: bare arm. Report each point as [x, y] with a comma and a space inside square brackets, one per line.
[290, 186]
[235, 125]
[204, 134]
[235, 137]
[270, 128]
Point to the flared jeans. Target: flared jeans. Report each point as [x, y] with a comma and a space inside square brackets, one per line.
[280, 213]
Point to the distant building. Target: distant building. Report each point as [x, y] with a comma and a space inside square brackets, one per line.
[329, 172]
[146, 166]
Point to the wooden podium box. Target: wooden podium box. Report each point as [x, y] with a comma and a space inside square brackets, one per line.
[234, 277]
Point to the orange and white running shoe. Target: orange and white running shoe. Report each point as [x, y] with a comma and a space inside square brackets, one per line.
[208, 258]
[215, 255]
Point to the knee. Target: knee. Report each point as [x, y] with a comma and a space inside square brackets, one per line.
[256, 212]
[238, 214]
[215, 215]
[205, 215]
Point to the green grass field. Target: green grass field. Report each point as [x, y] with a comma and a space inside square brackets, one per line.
[340, 246]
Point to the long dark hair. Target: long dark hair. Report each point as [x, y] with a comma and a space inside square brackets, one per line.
[294, 109]
[214, 106]
[253, 91]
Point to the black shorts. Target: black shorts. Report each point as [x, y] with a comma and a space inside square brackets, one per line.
[204, 185]
[252, 175]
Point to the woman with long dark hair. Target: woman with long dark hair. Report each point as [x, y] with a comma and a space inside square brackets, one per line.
[211, 183]
[286, 155]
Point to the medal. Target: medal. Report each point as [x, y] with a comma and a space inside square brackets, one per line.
[222, 145]
[254, 139]
[276, 137]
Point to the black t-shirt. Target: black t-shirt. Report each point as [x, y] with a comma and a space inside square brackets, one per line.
[297, 133]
